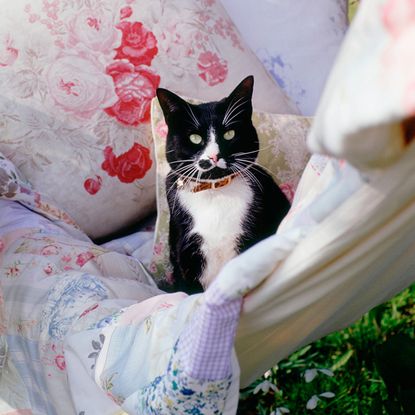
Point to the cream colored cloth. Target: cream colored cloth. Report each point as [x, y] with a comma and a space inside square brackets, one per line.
[358, 255]
[358, 233]
[371, 88]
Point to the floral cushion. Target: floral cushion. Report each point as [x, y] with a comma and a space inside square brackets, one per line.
[77, 78]
[283, 153]
[297, 43]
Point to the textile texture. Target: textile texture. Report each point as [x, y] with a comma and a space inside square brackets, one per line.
[297, 42]
[77, 79]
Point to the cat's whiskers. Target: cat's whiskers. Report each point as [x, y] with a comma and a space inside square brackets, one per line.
[232, 108]
[190, 177]
[180, 161]
[252, 166]
[180, 172]
[189, 173]
[192, 115]
[244, 171]
[199, 173]
[252, 177]
[233, 120]
[244, 153]
[241, 173]
[255, 166]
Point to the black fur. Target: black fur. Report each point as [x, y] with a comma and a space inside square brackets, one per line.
[269, 205]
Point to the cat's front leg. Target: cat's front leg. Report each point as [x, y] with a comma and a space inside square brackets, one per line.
[186, 258]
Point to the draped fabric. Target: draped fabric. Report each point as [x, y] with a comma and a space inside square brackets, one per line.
[347, 244]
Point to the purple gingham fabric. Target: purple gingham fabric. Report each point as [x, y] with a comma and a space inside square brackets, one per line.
[205, 346]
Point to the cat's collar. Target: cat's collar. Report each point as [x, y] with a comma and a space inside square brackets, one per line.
[200, 185]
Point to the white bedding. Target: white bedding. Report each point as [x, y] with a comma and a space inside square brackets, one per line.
[138, 244]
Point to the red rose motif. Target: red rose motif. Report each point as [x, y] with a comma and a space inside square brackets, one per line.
[48, 269]
[138, 44]
[126, 12]
[60, 362]
[135, 88]
[83, 258]
[8, 53]
[162, 129]
[211, 69]
[93, 185]
[128, 166]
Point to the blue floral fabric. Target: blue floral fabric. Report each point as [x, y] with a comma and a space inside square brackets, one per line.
[177, 393]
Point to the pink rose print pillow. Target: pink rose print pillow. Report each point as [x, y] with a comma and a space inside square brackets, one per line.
[77, 78]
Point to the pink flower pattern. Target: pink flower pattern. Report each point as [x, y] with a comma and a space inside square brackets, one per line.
[211, 68]
[50, 250]
[8, 53]
[103, 63]
[126, 12]
[53, 357]
[162, 129]
[79, 85]
[158, 248]
[289, 190]
[48, 269]
[135, 87]
[83, 258]
[138, 45]
[93, 29]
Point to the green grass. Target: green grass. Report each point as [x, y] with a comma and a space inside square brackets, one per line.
[355, 357]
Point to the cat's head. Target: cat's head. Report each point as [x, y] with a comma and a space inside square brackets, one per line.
[212, 140]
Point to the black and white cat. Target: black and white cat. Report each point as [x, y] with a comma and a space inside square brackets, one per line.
[221, 202]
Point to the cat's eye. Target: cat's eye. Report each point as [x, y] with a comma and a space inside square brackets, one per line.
[229, 135]
[195, 138]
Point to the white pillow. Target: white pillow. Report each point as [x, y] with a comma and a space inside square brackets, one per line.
[297, 41]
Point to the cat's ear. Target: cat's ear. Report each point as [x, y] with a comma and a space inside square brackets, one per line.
[170, 103]
[245, 88]
[242, 95]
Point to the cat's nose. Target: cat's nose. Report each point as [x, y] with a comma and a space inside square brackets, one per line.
[205, 163]
[214, 157]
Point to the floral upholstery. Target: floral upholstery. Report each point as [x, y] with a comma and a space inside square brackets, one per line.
[77, 78]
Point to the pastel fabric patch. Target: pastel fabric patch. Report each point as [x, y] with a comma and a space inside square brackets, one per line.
[375, 126]
[282, 152]
[14, 187]
[297, 41]
[77, 79]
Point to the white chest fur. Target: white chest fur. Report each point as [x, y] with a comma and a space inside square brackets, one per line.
[218, 215]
